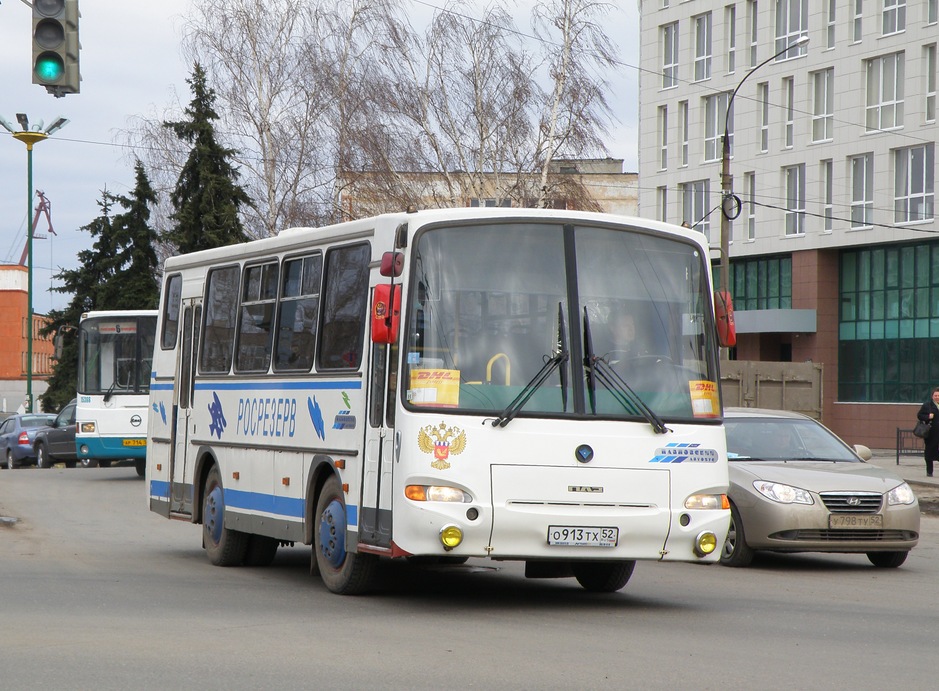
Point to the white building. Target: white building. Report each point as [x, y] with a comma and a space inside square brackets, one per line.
[833, 257]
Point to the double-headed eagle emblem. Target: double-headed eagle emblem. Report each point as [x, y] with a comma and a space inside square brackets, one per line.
[441, 441]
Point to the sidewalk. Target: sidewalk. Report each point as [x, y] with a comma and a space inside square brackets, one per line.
[911, 468]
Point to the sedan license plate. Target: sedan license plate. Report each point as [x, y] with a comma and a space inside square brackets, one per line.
[579, 536]
[853, 521]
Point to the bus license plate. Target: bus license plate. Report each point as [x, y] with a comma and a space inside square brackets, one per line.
[135, 442]
[850, 521]
[579, 536]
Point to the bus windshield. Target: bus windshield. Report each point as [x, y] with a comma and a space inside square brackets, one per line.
[619, 316]
[115, 355]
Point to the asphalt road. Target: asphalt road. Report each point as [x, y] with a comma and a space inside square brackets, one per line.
[96, 592]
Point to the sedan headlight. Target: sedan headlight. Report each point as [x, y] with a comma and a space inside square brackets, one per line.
[901, 494]
[784, 494]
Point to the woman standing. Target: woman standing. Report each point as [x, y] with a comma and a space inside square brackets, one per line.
[927, 413]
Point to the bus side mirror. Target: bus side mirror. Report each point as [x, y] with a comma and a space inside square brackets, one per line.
[386, 313]
[392, 263]
[724, 316]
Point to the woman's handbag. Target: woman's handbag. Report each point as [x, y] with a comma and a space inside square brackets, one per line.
[922, 429]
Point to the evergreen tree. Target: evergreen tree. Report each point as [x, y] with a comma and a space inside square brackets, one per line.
[207, 196]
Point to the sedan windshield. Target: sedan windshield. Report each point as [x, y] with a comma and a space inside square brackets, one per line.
[781, 439]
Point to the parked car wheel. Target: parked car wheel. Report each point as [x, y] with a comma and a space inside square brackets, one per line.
[42, 457]
[736, 551]
[11, 464]
[887, 560]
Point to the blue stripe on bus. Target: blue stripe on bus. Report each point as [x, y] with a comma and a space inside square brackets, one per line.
[255, 501]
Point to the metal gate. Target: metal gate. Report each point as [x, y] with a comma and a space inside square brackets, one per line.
[793, 386]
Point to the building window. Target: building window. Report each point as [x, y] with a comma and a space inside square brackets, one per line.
[795, 199]
[894, 16]
[670, 55]
[683, 124]
[932, 11]
[752, 23]
[888, 343]
[702, 47]
[792, 21]
[715, 110]
[930, 58]
[828, 193]
[858, 16]
[830, 32]
[730, 33]
[763, 91]
[663, 137]
[694, 205]
[661, 203]
[762, 284]
[749, 183]
[914, 171]
[862, 190]
[824, 106]
[789, 90]
[885, 92]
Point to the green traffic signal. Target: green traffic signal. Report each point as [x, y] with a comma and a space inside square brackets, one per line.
[49, 67]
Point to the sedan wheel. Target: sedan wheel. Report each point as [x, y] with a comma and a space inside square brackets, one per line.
[11, 464]
[736, 551]
[42, 457]
[887, 560]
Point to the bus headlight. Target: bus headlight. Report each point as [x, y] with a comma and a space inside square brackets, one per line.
[450, 536]
[436, 493]
[86, 427]
[705, 543]
[707, 501]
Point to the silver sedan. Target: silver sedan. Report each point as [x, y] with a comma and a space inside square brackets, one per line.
[796, 487]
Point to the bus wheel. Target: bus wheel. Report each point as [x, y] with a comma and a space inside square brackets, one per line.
[89, 463]
[342, 572]
[224, 547]
[603, 576]
[141, 466]
[261, 550]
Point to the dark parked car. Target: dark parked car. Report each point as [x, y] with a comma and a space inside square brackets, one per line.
[56, 443]
[17, 433]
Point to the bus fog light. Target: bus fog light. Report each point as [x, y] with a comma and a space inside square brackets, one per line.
[84, 449]
[705, 543]
[472, 513]
[450, 536]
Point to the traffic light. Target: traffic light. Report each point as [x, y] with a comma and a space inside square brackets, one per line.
[56, 46]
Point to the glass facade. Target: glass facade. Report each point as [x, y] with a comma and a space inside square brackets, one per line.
[762, 284]
[889, 323]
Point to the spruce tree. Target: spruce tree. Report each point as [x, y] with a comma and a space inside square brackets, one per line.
[207, 196]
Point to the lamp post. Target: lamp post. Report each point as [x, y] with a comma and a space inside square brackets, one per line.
[727, 191]
[30, 138]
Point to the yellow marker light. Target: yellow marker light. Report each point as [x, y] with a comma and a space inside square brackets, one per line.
[705, 543]
[707, 501]
[87, 428]
[450, 536]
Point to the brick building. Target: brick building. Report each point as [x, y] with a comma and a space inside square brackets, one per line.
[13, 343]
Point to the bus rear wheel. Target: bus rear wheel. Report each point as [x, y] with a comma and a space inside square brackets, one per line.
[603, 576]
[224, 546]
[344, 573]
[140, 465]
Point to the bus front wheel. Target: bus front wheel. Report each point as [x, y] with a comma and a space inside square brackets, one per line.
[603, 576]
[224, 546]
[343, 572]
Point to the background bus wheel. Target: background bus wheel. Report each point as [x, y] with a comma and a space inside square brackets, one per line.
[141, 466]
[89, 463]
[261, 550]
[224, 547]
[603, 576]
[342, 572]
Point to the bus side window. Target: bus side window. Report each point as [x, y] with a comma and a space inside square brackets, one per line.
[345, 307]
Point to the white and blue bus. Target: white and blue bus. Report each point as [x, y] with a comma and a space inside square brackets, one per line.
[115, 349]
[445, 384]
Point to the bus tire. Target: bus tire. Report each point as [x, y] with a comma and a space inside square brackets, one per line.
[104, 464]
[89, 463]
[603, 576]
[140, 465]
[261, 550]
[224, 546]
[344, 573]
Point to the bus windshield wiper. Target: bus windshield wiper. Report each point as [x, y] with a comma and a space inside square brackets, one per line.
[559, 359]
[599, 369]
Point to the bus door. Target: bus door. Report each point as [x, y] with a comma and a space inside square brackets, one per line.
[375, 515]
[180, 490]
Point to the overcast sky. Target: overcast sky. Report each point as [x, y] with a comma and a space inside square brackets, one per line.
[131, 65]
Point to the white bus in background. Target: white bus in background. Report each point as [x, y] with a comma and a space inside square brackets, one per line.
[444, 384]
[115, 349]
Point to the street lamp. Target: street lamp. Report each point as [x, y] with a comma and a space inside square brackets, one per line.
[730, 205]
[30, 137]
